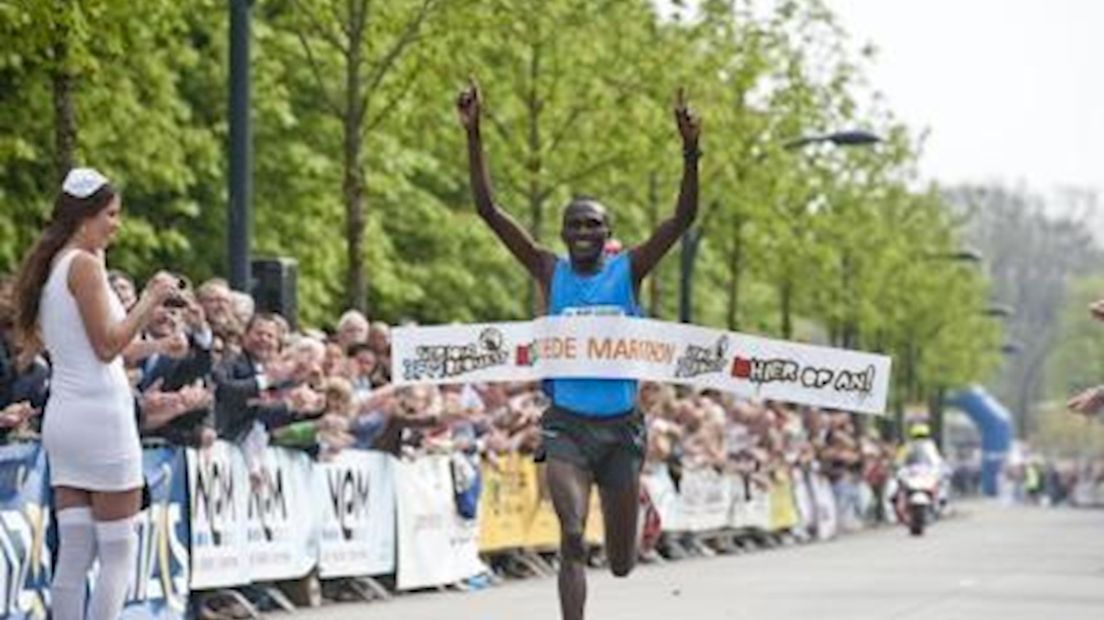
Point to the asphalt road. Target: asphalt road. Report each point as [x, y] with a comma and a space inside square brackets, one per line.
[988, 563]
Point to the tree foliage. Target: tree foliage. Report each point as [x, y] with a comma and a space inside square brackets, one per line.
[360, 171]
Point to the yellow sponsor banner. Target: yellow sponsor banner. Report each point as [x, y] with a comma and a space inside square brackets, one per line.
[783, 515]
[504, 503]
[515, 508]
[542, 529]
[595, 527]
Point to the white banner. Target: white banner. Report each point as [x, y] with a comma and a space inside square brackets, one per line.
[631, 348]
[357, 490]
[803, 499]
[436, 545]
[284, 519]
[664, 496]
[705, 497]
[750, 505]
[218, 486]
[824, 501]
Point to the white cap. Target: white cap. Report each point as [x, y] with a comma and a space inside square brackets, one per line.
[83, 182]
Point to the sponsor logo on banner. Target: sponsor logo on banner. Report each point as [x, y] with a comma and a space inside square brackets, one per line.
[356, 491]
[25, 532]
[268, 507]
[445, 361]
[350, 495]
[159, 588]
[282, 518]
[526, 354]
[598, 349]
[218, 484]
[696, 360]
[213, 501]
[630, 350]
[764, 371]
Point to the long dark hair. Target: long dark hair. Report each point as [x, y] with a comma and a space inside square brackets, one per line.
[69, 212]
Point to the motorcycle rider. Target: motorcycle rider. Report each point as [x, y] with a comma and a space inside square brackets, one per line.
[920, 449]
[920, 452]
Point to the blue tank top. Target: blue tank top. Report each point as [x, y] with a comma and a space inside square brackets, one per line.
[608, 292]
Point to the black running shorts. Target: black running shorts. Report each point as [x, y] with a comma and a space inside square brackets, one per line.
[611, 448]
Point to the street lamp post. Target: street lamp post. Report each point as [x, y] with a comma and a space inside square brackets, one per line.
[993, 310]
[848, 138]
[853, 137]
[241, 149]
[935, 404]
[691, 239]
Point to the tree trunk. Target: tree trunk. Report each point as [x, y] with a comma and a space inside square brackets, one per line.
[533, 167]
[734, 271]
[353, 185]
[1029, 387]
[785, 298]
[654, 289]
[65, 120]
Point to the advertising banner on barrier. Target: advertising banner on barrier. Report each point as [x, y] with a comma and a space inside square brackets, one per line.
[542, 530]
[705, 496]
[504, 503]
[26, 532]
[357, 492]
[824, 501]
[283, 520]
[784, 515]
[218, 485]
[516, 509]
[436, 545]
[160, 585]
[664, 496]
[750, 504]
[631, 348]
[803, 500]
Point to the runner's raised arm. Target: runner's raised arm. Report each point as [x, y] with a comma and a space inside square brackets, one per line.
[537, 260]
[648, 254]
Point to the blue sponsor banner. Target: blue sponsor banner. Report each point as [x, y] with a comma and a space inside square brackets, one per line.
[159, 588]
[26, 532]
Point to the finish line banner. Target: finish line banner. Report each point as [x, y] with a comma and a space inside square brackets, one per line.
[610, 347]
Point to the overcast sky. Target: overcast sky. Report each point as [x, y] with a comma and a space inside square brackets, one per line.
[1010, 90]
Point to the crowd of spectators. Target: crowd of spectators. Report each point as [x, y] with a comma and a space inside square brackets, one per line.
[211, 366]
[1040, 480]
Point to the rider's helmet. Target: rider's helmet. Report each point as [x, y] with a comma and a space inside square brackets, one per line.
[919, 430]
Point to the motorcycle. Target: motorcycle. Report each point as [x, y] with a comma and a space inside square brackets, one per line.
[918, 496]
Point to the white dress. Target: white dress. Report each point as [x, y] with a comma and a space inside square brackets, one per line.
[89, 431]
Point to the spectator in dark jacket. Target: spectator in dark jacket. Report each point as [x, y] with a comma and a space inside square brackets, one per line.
[241, 381]
[182, 366]
[24, 383]
[186, 358]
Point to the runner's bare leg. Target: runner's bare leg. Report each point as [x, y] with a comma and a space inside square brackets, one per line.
[569, 486]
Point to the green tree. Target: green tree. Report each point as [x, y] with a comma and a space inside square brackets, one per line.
[106, 90]
[364, 57]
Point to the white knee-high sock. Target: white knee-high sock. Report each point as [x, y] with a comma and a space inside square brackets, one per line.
[117, 550]
[76, 550]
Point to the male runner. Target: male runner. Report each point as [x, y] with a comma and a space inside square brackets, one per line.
[593, 432]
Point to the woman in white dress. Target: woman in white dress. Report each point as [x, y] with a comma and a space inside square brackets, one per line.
[89, 429]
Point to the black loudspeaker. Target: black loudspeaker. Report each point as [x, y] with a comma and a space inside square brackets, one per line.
[275, 287]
